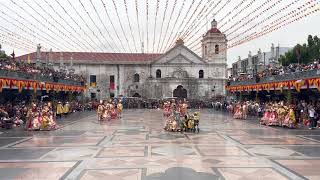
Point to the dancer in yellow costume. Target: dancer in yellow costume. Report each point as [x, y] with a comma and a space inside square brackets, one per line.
[60, 110]
[66, 108]
[119, 108]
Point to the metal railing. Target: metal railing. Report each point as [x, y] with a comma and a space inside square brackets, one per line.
[37, 77]
[277, 78]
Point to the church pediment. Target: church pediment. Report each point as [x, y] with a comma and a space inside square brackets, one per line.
[179, 59]
[179, 55]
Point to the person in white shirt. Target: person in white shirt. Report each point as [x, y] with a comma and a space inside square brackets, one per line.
[312, 119]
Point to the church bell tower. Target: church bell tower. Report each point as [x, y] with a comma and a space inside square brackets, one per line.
[214, 44]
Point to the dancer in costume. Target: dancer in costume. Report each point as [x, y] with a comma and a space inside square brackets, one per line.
[267, 112]
[238, 111]
[245, 110]
[100, 110]
[113, 110]
[183, 108]
[166, 109]
[52, 123]
[290, 119]
[106, 114]
[273, 119]
[48, 123]
[59, 110]
[66, 108]
[282, 112]
[33, 118]
[119, 108]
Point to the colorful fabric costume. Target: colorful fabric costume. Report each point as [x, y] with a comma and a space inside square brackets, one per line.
[273, 119]
[166, 109]
[238, 112]
[266, 116]
[33, 118]
[119, 109]
[48, 122]
[183, 109]
[60, 109]
[100, 111]
[114, 113]
[290, 119]
[66, 108]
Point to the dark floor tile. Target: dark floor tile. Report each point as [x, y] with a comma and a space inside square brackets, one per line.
[23, 154]
[265, 132]
[12, 173]
[67, 133]
[313, 151]
[313, 137]
[6, 141]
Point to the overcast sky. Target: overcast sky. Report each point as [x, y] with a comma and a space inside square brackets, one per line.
[86, 25]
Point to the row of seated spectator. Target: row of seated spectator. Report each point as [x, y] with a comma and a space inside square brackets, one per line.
[282, 70]
[32, 69]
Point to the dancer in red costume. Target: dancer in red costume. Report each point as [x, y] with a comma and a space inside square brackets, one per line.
[238, 111]
[273, 119]
[183, 108]
[33, 118]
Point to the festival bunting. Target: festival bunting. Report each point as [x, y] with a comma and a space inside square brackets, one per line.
[21, 84]
[296, 84]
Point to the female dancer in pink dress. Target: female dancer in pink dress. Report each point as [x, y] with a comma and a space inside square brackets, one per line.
[238, 112]
[267, 111]
[273, 119]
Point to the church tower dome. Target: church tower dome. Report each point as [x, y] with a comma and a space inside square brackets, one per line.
[214, 28]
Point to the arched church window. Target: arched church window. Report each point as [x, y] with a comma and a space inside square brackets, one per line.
[201, 74]
[158, 73]
[136, 78]
[216, 49]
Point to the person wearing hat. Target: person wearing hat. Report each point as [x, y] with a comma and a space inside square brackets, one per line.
[59, 110]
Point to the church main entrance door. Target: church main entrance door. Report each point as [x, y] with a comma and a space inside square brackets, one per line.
[180, 92]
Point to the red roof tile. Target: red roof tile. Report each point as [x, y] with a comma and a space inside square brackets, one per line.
[96, 57]
[214, 30]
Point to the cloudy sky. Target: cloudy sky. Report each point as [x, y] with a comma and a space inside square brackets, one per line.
[152, 26]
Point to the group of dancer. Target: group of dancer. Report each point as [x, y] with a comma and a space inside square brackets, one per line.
[108, 110]
[278, 114]
[240, 110]
[62, 109]
[273, 114]
[177, 117]
[41, 117]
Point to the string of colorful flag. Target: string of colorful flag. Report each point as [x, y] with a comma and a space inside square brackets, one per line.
[81, 25]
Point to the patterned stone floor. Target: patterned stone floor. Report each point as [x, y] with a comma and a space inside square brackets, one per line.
[137, 148]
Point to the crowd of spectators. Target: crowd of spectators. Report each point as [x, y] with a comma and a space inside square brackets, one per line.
[31, 69]
[140, 103]
[282, 70]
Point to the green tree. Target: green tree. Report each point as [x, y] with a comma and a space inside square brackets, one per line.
[305, 53]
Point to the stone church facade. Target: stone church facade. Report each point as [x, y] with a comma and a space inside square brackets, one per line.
[177, 73]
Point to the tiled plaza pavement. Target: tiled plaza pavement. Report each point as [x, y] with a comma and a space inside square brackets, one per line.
[136, 147]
